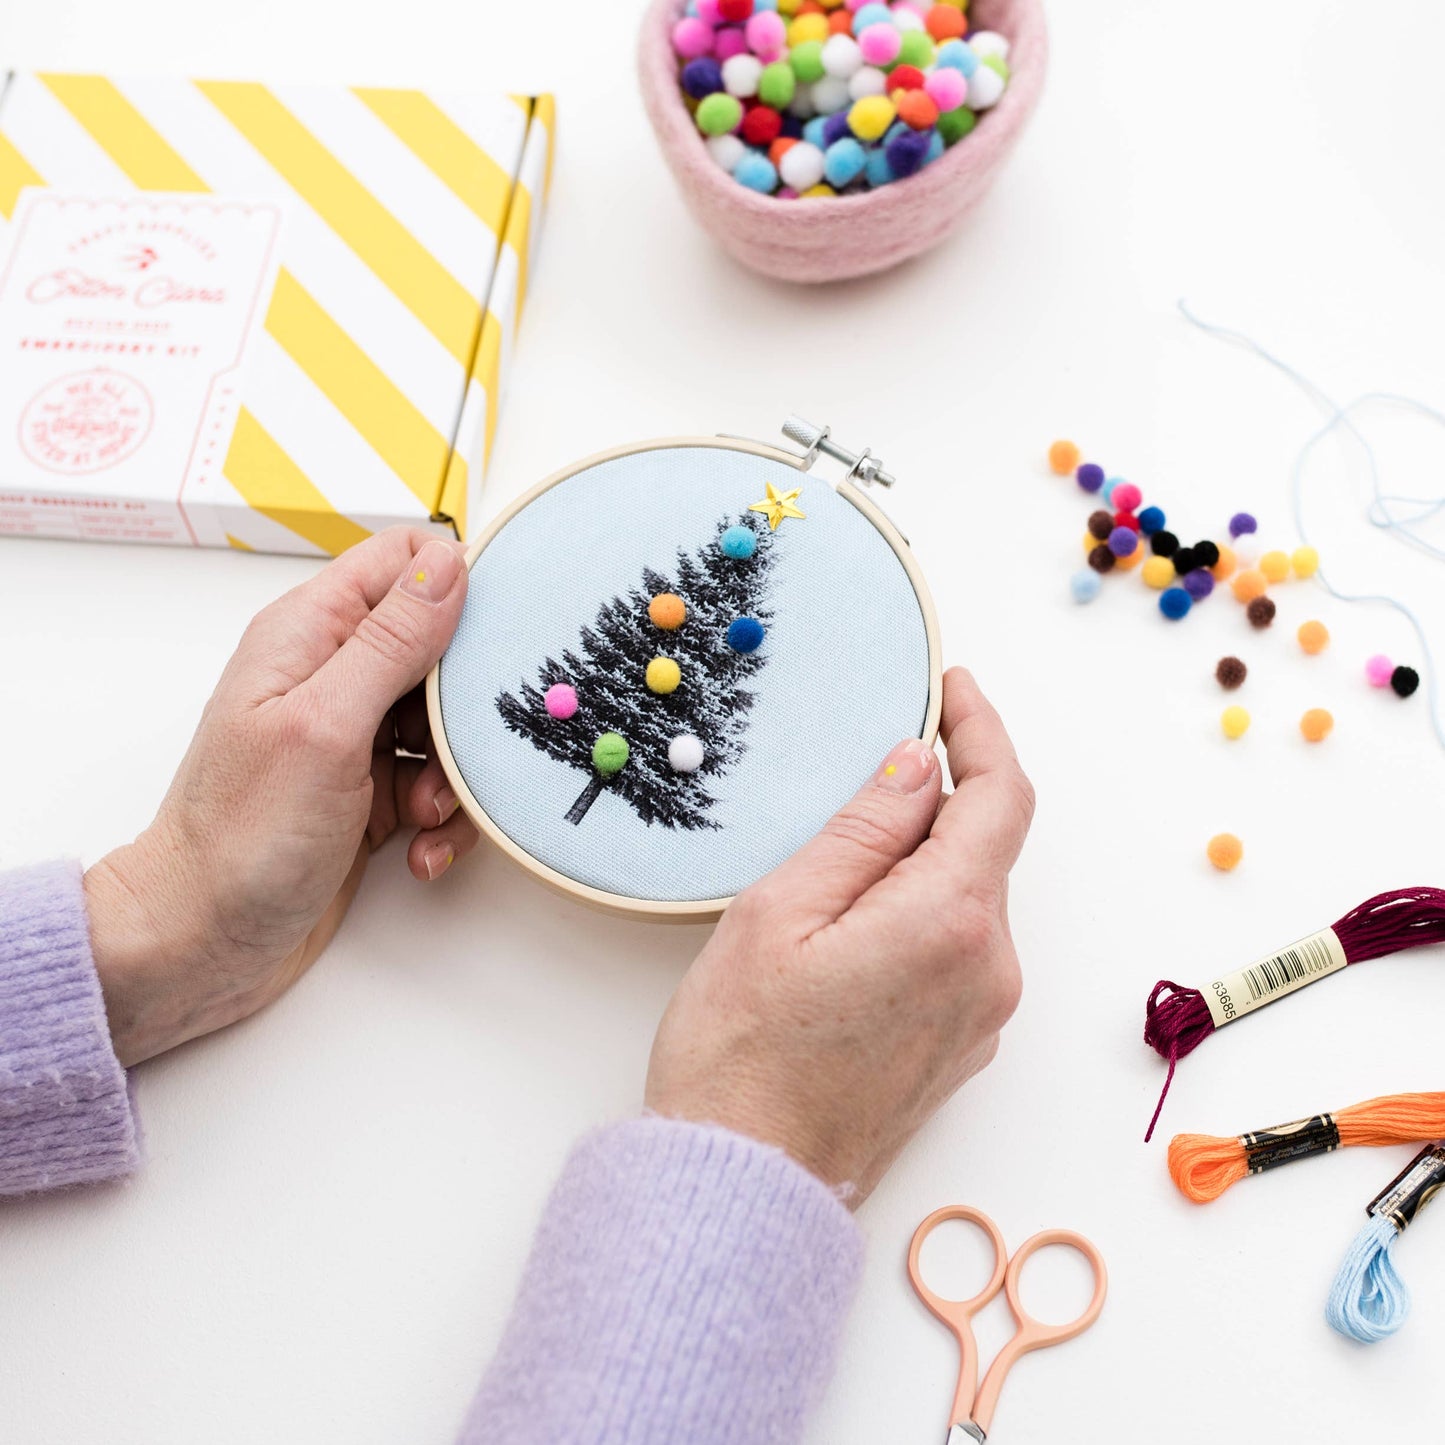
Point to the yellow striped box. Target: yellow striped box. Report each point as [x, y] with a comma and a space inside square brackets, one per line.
[270, 318]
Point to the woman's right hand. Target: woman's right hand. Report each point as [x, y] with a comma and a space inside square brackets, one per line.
[847, 995]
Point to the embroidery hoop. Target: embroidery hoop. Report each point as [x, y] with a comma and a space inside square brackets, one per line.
[817, 439]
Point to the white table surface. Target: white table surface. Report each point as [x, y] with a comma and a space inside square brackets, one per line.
[339, 1193]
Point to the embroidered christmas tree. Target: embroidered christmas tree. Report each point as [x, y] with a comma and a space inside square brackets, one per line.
[653, 702]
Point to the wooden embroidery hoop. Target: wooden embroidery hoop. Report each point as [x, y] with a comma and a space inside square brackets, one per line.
[703, 910]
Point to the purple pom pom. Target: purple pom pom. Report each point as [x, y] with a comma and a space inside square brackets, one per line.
[1242, 523]
[702, 77]
[1123, 541]
[835, 128]
[1089, 476]
[1199, 583]
[906, 154]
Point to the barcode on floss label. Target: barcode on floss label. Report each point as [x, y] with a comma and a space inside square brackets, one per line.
[1272, 978]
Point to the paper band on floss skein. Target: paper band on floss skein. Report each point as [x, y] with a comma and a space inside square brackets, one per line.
[1178, 1019]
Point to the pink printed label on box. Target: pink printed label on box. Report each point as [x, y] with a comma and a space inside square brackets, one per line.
[124, 323]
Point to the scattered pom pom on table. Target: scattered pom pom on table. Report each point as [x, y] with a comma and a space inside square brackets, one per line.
[1175, 603]
[1126, 519]
[1127, 496]
[1313, 637]
[1090, 476]
[1248, 585]
[1275, 566]
[1123, 542]
[1151, 520]
[1223, 569]
[745, 634]
[1316, 724]
[1101, 523]
[1063, 458]
[1085, 585]
[1158, 572]
[1131, 560]
[1185, 560]
[1305, 561]
[1101, 559]
[1260, 611]
[1164, 543]
[685, 753]
[1199, 583]
[739, 543]
[1235, 721]
[1230, 673]
[1378, 670]
[1225, 851]
[1404, 680]
[663, 675]
[667, 611]
[1241, 524]
[1206, 553]
[560, 700]
[609, 754]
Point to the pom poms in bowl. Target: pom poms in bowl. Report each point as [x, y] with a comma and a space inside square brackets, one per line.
[840, 139]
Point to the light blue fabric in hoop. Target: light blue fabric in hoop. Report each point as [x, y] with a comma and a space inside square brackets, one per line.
[846, 674]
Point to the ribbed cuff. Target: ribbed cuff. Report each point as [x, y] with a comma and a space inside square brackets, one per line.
[65, 1115]
[686, 1284]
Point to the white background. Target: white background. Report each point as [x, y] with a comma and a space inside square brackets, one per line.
[339, 1193]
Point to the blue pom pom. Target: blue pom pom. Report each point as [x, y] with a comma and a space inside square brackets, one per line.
[792, 127]
[898, 128]
[1107, 490]
[1085, 585]
[745, 634]
[739, 543]
[871, 15]
[835, 127]
[844, 161]
[879, 171]
[815, 132]
[765, 4]
[1152, 520]
[958, 56]
[906, 153]
[701, 77]
[1174, 603]
[935, 148]
[757, 173]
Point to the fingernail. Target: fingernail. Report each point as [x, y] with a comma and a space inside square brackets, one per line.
[446, 802]
[438, 858]
[907, 768]
[432, 573]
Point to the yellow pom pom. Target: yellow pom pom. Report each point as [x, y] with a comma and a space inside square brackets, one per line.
[789, 7]
[1316, 724]
[1064, 458]
[1225, 851]
[1314, 637]
[808, 27]
[1248, 585]
[1234, 721]
[663, 675]
[1090, 542]
[1305, 561]
[870, 117]
[1158, 572]
[1224, 568]
[1275, 566]
[821, 189]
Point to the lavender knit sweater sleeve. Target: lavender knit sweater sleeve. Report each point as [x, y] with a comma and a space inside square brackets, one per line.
[65, 1117]
[686, 1285]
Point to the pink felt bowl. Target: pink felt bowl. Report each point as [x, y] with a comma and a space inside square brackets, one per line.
[828, 238]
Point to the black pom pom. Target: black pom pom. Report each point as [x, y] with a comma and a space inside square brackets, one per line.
[1206, 553]
[1185, 560]
[1101, 559]
[1260, 611]
[1100, 525]
[1230, 673]
[1404, 680]
[1165, 544]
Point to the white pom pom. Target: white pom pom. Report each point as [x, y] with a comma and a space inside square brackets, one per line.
[1246, 554]
[801, 104]
[726, 150]
[868, 81]
[985, 86]
[988, 42]
[685, 753]
[842, 56]
[830, 95]
[906, 18]
[741, 74]
[801, 166]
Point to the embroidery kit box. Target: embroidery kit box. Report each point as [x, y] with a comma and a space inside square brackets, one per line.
[275, 319]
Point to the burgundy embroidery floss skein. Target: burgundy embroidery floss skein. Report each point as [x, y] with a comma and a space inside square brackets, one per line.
[1178, 1019]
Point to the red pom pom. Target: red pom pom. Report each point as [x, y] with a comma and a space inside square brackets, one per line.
[1126, 519]
[905, 77]
[762, 125]
[735, 10]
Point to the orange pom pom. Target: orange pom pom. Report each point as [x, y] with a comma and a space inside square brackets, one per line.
[918, 109]
[945, 23]
[781, 147]
[1316, 724]
[1063, 456]
[1224, 568]
[667, 611]
[1314, 637]
[1249, 585]
[1225, 851]
[1132, 560]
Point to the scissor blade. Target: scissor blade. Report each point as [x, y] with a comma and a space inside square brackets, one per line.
[965, 1433]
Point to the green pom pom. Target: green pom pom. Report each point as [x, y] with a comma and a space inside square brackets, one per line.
[953, 125]
[718, 114]
[917, 49]
[777, 84]
[610, 751]
[999, 64]
[807, 61]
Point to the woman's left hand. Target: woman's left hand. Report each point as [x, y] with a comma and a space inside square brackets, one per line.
[292, 779]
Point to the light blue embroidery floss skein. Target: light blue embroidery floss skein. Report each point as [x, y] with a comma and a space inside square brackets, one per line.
[1368, 1301]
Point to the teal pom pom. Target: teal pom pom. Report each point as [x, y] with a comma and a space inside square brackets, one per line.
[844, 162]
[739, 543]
[757, 173]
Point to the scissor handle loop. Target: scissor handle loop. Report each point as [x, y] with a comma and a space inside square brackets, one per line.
[1033, 1333]
[957, 1313]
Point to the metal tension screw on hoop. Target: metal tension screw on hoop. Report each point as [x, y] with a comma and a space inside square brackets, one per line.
[814, 439]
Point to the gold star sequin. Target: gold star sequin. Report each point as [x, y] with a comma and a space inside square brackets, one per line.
[778, 505]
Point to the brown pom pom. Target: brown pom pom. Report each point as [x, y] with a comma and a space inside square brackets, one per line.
[1100, 525]
[1101, 559]
[1260, 612]
[1230, 673]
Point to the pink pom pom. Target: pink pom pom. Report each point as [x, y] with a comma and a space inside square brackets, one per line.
[710, 12]
[786, 194]
[947, 88]
[1378, 670]
[729, 41]
[880, 44]
[692, 37]
[1126, 497]
[561, 700]
[766, 34]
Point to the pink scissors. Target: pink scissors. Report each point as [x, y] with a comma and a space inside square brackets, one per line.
[972, 1415]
